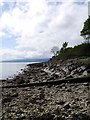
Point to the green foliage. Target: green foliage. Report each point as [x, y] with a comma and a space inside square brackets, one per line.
[81, 51]
[86, 29]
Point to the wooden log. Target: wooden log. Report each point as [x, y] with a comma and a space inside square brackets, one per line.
[57, 82]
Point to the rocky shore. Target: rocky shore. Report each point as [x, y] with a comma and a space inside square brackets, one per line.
[52, 102]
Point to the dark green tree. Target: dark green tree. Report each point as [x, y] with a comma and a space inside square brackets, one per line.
[64, 46]
[85, 33]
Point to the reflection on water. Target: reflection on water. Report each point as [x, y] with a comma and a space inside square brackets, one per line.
[8, 69]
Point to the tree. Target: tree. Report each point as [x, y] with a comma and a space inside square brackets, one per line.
[64, 46]
[85, 33]
[55, 50]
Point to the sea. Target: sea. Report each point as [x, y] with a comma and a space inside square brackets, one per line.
[9, 69]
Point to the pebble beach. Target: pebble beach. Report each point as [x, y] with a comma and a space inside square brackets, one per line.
[66, 101]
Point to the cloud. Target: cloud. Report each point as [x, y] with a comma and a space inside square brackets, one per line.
[40, 25]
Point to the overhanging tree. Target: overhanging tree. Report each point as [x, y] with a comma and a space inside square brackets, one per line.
[85, 33]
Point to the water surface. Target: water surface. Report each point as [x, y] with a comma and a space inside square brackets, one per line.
[8, 69]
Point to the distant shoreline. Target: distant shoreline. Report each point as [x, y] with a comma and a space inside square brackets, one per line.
[26, 60]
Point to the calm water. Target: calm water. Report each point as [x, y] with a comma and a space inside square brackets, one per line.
[8, 69]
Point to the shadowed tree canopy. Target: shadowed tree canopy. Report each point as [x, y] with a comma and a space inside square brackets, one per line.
[85, 33]
[64, 46]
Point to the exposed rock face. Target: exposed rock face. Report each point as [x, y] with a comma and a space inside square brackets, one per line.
[51, 71]
[58, 102]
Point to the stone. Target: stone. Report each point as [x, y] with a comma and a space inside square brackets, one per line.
[75, 106]
[69, 76]
[6, 99]
[81, 117]
[74, 72]
[85, 73]
[88, 71]
[60, 102]
[42, 96]
[20, 81]
[14, 94]
[67, 106]
[47, 116]
[56, 75]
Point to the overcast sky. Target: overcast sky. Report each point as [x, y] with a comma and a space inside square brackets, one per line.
[30, 28]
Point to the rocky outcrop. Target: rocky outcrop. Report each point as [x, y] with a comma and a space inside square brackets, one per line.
[51, 71]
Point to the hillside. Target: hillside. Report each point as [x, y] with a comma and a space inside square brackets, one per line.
[80, 51]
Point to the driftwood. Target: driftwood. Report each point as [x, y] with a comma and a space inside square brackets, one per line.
[70, 80]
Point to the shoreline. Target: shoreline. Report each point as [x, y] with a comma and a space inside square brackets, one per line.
[65, 101]
[11, 76]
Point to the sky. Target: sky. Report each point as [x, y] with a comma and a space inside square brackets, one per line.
[30, 28]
